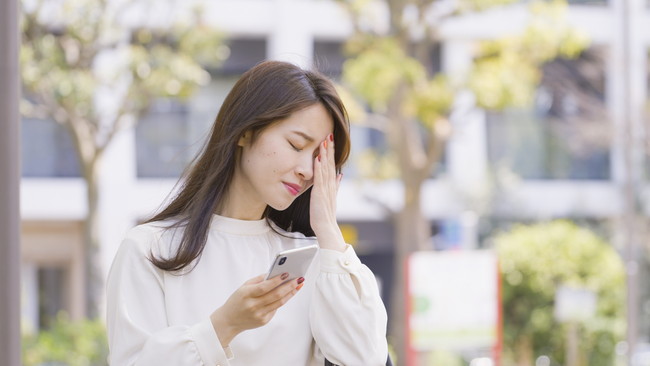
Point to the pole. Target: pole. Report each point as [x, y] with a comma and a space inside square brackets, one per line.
[632, 102]
[9, 186]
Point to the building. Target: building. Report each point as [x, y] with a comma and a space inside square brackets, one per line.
[142, 164]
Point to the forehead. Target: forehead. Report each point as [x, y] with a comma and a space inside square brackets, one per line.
[314, 121]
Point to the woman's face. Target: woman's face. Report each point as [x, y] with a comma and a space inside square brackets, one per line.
[278, 165]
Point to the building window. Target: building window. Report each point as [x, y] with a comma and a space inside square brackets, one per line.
[329, 58]
[161, 137]
[172, 132]
[47, 150]
[566, 134]
[52, 294]
[244, 54]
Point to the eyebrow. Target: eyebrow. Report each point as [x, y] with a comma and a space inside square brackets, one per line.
[304, 135]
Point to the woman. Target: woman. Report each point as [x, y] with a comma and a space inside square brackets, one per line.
[188, 286]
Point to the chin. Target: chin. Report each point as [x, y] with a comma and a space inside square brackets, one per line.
[280, 206]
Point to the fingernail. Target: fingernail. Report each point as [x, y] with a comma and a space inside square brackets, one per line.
[318, 157]
[325, 144]
[284, 276]
[301, 280]
[331, 137]
[300, 286]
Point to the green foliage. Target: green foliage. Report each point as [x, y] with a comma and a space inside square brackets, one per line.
[535, 260]
[466, 6]
[507, 71]
[379, 69]
[373, 165]
[382, 67]
[81, 343]
[71, 49]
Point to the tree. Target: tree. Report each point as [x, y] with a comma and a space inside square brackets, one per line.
[535, 260]
[390, 71]
[77, 55]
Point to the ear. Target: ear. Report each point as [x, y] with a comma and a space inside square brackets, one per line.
[245, 139]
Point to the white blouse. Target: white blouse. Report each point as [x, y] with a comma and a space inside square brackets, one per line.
[158, 318]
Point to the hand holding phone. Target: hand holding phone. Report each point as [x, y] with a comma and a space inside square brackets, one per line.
[295, 262]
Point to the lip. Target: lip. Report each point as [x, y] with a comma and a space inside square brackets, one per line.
[294, 189]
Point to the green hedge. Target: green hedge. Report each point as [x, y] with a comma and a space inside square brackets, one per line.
[535, 260]
[80, 343]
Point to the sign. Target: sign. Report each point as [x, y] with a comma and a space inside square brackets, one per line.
[454, 298]
[574, 304]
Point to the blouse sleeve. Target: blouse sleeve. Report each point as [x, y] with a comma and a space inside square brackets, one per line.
[138, 333]
[347, 315]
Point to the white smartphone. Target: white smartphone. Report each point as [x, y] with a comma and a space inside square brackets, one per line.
[295, 262]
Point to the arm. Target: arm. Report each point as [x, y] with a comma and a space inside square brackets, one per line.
[138, 332]
[347, 315]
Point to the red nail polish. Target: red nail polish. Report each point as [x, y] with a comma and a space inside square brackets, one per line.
[301, 280]
[284, 276]
[299, 286]
[331, 137]
[325, 144]
[318, 157]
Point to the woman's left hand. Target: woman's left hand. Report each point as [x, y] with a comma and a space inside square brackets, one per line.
[322, 208]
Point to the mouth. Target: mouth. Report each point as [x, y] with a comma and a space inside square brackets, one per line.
[294, 189]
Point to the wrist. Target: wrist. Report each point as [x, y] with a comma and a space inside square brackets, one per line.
[225, 332]
[331, 239]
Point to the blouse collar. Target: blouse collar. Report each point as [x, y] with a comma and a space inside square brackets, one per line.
[239, 227]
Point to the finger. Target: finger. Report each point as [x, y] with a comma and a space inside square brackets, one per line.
[254, 280]
[264, 287]
[279, 301]
[280, 292]
[331, 151]
[325, 159]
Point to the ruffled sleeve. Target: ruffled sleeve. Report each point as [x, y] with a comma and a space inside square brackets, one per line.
[138, 331]
[347, 315]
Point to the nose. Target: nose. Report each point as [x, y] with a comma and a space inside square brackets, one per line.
[305, 167]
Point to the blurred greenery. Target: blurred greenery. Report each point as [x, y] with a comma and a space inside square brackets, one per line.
[396, 71]
[507, 71]
[535, 260]
[70, 343]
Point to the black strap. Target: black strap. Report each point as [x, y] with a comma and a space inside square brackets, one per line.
[388, 362]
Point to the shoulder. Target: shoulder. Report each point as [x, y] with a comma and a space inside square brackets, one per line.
[155, 238]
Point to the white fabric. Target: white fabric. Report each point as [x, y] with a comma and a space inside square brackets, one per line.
[160, 318]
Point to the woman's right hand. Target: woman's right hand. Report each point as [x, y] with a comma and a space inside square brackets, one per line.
[252, 305]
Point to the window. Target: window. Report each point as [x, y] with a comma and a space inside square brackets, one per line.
[566, 134]
[161, 137]
[172, 132]
[51, 295]
[329, 58]
[47, 150]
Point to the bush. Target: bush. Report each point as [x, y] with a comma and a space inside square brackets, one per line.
[535, 260]
[81, 343]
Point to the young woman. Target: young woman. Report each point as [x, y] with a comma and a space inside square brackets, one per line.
[188, 287]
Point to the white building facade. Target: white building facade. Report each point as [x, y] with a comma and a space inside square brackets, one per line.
[142, 165]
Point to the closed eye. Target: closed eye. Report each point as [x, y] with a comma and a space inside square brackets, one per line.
[294, 146]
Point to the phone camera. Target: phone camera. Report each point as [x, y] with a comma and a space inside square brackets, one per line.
[282, 260]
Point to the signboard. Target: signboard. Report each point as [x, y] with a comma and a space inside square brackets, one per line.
[454, 300]
[574, 304]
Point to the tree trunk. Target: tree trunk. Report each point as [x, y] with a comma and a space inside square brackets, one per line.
[93, 280]
[524, 351]
[412, 234]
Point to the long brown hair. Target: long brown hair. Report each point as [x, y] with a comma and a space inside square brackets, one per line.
[269, 92]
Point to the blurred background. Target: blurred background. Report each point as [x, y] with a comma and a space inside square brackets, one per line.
[497, 185]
